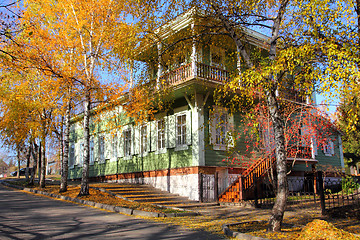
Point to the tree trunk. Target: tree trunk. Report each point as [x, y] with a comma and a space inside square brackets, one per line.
[85, 173]
[43, 162]
[28, 155]
[35, 162]
[39, 161]
[18, 160]
[278, 210]
[65, 160]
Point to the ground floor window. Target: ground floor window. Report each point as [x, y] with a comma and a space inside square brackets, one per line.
[161, 134]
[181, 130]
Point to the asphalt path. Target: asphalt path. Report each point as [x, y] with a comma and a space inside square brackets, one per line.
[27, 216]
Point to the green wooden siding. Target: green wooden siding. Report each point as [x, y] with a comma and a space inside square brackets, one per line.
[151, 162]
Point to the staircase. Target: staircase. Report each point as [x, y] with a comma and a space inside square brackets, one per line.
[241, 188]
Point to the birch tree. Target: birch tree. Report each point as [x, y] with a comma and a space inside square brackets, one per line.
[73, 42]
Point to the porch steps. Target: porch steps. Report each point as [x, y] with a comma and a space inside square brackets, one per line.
[240, 188]
[146, 194]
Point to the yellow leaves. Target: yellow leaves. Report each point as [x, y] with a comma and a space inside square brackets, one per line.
[319, 229]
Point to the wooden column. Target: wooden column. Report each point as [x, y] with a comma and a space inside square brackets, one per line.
[160, 68]
[193, 53]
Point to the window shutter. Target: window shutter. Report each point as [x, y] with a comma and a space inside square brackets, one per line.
[137, 141]
[230, 139]
[153, 136]
[315, 147]
[81, 153]
[332, 150]
[148, 137]
[121, 144]
[171, 123]
[91, 151]
[107, 145]
[229, 131]
[72, 155]
[113, 147]
[96, 148]
[132, 143]
[188, 128]
[101, 148]
[77, 153]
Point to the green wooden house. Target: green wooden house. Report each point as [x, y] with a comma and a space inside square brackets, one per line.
[194, 136]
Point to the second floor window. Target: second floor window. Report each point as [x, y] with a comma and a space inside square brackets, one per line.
[328, 148]
[161, 134]
[143, 138]
[181, 130]
[127, 142]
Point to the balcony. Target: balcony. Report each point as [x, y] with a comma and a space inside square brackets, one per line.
[293, 95]
[300, 152]
[191, 71]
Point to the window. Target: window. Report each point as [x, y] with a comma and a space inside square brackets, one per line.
[101, 148]
[91, 151]
[328, 148]
[127, 143]
[143, 139]
[161, 134]
[221, 128]
[72, 154]
[181, 130]
[217, 56]
[221, 136]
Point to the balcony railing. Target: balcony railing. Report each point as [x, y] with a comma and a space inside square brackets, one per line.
[293, 95]
[300, 152]
[187, 72]
[212, 73]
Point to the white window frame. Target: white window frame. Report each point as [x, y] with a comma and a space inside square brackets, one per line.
[161, 136]
[181, 138]
[127, 137]
[220, 131]
[114, 150]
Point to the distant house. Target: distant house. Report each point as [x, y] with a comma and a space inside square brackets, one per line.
[194, 136]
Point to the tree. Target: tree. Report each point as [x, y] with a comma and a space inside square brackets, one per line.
[293, 49]
[351, 139]
[72, 42]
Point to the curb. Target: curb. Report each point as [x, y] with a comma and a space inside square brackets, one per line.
[239, 235]
[127, 211]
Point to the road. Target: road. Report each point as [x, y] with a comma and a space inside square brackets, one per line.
[26, 216]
